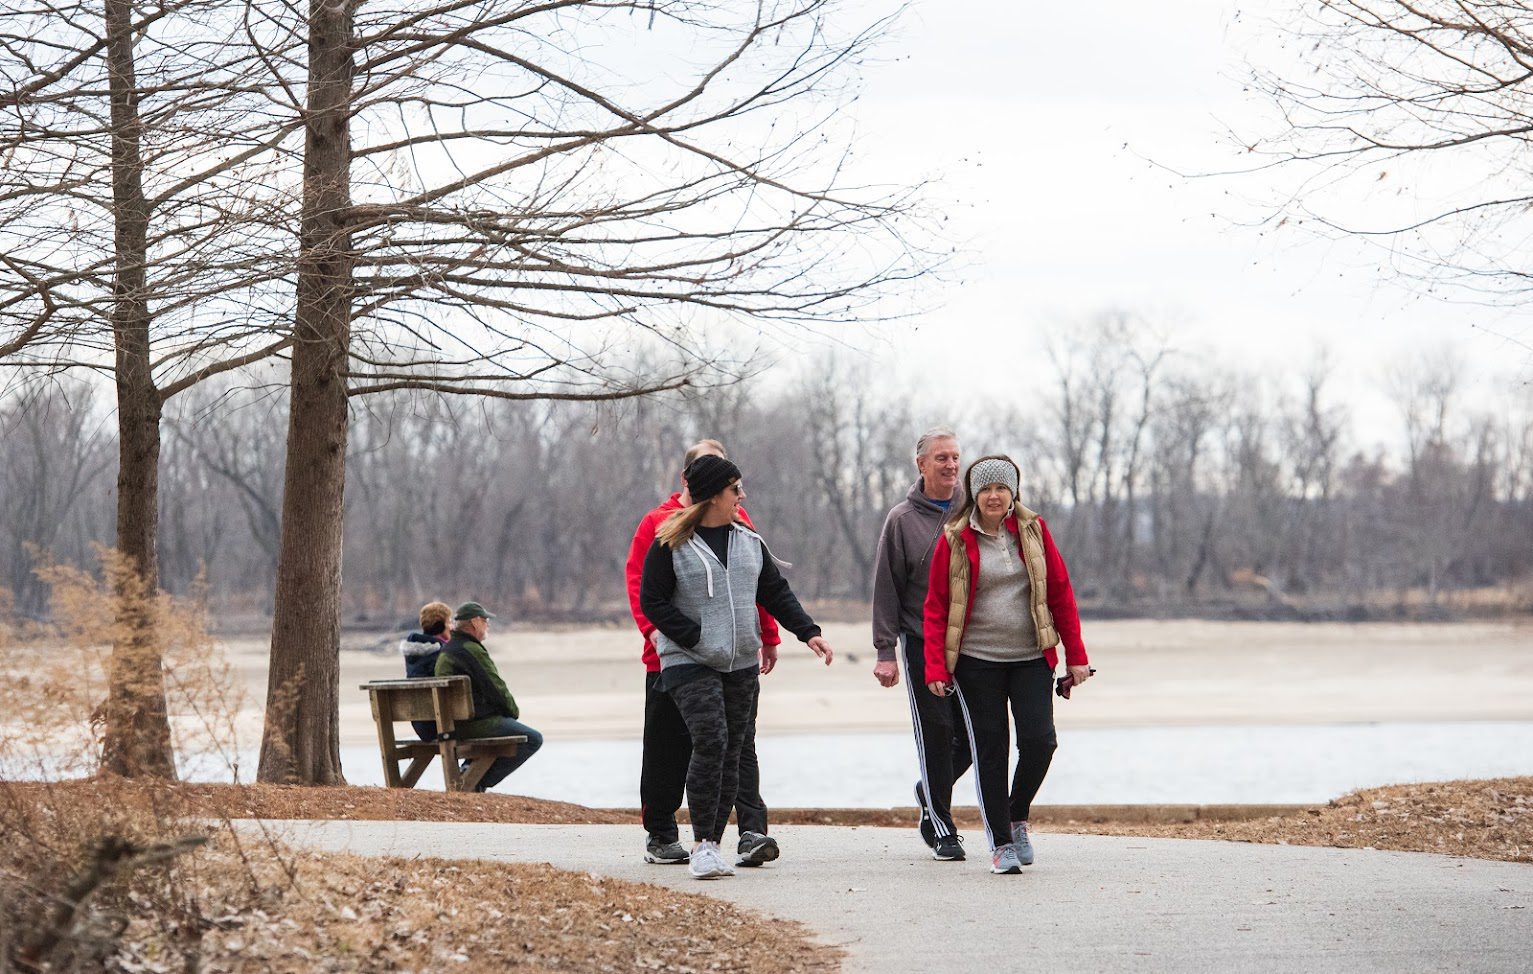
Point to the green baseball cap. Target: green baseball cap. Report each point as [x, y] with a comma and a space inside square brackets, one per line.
[471, 610]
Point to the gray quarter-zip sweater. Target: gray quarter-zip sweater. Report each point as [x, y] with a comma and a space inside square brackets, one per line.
[900, 571]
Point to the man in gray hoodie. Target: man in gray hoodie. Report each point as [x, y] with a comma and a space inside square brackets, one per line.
[899, 592]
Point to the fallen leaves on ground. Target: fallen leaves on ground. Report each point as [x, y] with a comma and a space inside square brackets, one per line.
[1490, 819]
[342, 802]
[243, 903]
[347, 913]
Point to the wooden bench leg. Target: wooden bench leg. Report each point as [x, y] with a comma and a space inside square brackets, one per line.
[480, 766]
[383, 718]
[448, 748]
[417, 768]
[477, 769]
[450, 776]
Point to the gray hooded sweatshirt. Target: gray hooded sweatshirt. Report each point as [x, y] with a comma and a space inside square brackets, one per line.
[900, 571]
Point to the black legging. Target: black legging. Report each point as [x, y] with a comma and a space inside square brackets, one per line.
[717, 708]
[985, 692]
[668, 754]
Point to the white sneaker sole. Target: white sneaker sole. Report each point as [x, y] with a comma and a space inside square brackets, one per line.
[651, 857]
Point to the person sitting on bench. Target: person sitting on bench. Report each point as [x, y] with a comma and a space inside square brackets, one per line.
[421, 649]
[495, 710]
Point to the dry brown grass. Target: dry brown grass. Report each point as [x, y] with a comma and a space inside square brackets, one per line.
[221, 801]
[240, 904]
[346, 913]
[1490, 819]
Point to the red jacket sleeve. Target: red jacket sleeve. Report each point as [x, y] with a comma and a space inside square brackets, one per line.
[643, 537]
[1061, 599]
[935, 614]
[770, 634]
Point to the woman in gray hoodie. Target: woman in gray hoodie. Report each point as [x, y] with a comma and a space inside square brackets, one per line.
[703, 578]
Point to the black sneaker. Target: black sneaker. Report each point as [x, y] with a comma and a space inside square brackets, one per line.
[928, 830]
[756, 849]
[949, 848]
[665, 853]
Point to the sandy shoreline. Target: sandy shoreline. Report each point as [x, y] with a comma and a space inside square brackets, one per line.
[588, 682]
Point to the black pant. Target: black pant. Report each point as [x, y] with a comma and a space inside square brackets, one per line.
[985, 691]
[717, 708]
[942, 745]
[668, 752]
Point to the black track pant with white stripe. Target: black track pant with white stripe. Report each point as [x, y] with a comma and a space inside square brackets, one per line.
[986, 691]
[942, 744]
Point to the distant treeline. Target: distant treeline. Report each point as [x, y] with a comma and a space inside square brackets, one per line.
[1169, 488]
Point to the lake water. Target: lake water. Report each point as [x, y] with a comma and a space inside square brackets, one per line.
[1178, 765]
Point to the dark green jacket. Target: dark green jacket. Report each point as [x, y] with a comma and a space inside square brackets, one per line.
[492, 699]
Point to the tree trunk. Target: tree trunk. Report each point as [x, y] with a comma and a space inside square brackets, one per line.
[137, 735]
[301, 743]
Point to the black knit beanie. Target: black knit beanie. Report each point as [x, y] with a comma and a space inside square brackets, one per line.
[707, 476]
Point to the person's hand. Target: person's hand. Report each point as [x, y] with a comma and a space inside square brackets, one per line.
[1080, 674]
[768, 657]
[821, 648]
[650, 639]
[939, 687]
[887, 671]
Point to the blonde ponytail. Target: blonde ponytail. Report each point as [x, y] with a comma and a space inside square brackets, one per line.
[678, 529]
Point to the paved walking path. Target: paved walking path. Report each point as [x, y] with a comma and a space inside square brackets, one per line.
[1091, 903]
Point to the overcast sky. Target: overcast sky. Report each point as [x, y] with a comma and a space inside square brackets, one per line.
[1039, 120]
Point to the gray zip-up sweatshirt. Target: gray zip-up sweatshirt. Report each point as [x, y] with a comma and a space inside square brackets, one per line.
[900, 570]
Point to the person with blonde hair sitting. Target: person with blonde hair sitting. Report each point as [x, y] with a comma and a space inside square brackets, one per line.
[420, 650]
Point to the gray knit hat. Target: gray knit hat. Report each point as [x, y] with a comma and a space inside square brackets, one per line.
[993, 470]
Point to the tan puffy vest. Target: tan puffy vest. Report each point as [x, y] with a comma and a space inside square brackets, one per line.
[959, 584]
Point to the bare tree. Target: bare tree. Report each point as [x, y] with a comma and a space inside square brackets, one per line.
[487, 210]
[135, 161]
[1406, 122]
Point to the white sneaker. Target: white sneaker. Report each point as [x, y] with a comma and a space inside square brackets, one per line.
[707, 863]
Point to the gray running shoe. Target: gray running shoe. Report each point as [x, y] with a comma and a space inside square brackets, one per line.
[949, 848]
[707, 863]
[1023, 842]
[756, 849]
[1004, 860]
[665, 853]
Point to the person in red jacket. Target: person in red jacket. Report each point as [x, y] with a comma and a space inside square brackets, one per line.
[998, 604]
[667, 746]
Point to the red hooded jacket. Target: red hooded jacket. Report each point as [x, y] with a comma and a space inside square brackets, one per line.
[1060, 597]
[643, 537]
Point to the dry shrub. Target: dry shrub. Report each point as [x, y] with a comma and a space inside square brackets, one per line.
[76, 869]
[54, 684]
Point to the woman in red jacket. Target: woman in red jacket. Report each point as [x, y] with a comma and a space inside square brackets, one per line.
[998, 604]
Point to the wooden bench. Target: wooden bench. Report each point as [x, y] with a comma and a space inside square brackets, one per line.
[444, 700]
